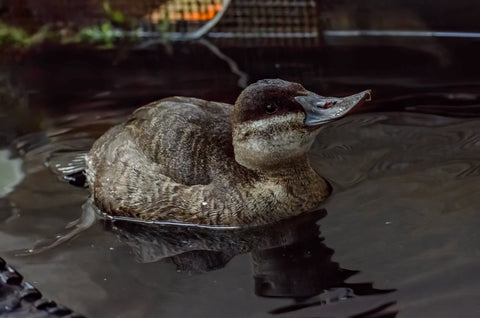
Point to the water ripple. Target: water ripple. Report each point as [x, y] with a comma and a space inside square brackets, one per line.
[365, 147]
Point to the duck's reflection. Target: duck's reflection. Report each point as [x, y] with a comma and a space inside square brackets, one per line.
[289, 258]
[301, 268]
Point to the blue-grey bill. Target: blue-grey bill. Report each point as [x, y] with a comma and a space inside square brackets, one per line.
[320, 109]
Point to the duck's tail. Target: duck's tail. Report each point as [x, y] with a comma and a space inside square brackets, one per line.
[70, 167]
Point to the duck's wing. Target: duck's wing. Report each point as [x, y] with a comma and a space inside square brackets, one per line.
[185, 137]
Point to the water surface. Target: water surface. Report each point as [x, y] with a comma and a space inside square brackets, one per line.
[398, 237]
[399, 234]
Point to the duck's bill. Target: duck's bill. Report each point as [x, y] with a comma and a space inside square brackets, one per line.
[321, 110]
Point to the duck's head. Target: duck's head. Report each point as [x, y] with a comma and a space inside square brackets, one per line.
[275, 122]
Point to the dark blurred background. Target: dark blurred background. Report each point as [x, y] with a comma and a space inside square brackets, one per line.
[70, 55]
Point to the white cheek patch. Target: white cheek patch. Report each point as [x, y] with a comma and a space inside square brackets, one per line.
[270, 141]
[290, 141]
[265, 125]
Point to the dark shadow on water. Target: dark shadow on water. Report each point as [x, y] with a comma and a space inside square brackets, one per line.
[290, 259]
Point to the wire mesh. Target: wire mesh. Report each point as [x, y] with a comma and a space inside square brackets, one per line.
[269, 22]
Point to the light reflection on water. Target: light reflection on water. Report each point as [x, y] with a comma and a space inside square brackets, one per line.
[10, 172]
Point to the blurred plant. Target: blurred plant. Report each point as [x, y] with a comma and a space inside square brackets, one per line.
[163, 25]
[113, 15]
[16, 37]
[103, 35]
[108, 33]
[12, 36]
[116, 29]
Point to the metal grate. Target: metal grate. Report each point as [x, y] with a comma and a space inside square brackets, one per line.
[269, 22]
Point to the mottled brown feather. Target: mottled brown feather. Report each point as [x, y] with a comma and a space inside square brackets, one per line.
[173, 160]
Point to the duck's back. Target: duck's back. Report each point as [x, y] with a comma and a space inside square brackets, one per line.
[186, 137]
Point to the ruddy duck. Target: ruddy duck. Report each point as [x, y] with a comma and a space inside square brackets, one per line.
[188, 160]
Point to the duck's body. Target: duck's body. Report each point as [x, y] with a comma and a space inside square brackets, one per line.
[192, 161]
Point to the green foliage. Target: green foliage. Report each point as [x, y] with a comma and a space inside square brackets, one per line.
[113, 15]
[116, 29]
[15, 37]
[163, 25]
[12, 36]
[103, 35]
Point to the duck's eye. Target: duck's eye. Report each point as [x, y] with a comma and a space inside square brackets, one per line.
[271, 108]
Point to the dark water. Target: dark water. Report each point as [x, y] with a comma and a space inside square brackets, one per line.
[398, 237]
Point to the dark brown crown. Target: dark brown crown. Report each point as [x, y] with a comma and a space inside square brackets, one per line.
[267, 98]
